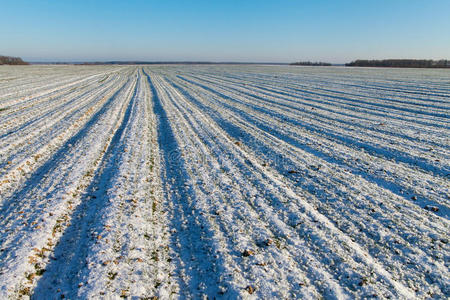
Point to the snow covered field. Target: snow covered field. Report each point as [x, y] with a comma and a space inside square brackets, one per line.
[224, 181]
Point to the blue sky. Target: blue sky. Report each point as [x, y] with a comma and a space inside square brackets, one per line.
[262, 31]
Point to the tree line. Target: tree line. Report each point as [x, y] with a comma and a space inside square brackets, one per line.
[310, 63]
[401, 63]
[9, 60]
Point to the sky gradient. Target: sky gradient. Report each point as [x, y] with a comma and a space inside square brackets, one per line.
[241, 31]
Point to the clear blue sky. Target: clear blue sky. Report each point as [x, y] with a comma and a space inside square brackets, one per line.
[265, 31]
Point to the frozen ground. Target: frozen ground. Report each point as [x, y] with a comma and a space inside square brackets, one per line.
[224, 181]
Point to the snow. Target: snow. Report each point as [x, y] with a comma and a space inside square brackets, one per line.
[224, 181]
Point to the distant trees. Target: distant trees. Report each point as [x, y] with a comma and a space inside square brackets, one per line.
[310, 63]
[9, 60]
[401, 63]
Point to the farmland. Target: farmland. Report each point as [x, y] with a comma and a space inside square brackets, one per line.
[224, 181]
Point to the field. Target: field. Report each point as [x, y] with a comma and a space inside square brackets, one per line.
[224, 181]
